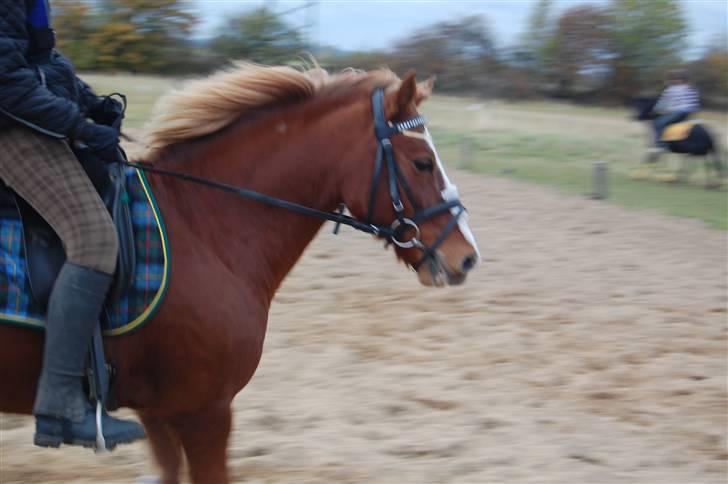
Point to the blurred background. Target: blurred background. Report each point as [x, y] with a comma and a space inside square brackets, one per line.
[532, 90]
[590, 51]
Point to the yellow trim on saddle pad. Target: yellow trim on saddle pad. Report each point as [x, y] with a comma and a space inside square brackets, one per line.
[678, 131]
[152, 308]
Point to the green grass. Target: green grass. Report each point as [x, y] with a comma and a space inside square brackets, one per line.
[556, 144]
[548, 161]
[141, 92]
[544, 143]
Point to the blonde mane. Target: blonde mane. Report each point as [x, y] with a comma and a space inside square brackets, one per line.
[205, 106]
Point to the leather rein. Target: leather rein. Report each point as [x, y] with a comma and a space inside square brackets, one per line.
[395, 233]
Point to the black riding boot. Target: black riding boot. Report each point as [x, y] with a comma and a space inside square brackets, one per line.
[63, 413]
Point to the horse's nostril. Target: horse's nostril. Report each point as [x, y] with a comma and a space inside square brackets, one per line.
[469, 262]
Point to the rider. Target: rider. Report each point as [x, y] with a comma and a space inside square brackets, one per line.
[675, 104]
[43, 108]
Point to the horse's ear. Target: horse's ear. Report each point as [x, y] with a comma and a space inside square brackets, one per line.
[424, 90]
[407, 91]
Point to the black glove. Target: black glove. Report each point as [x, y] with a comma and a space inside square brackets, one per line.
[103, 140]
[109, 111]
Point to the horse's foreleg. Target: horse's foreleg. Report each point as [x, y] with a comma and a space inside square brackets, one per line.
[204, 436]
[719, 165]
[687, 168]
[166, 446]
[708, 182]
[716, 180]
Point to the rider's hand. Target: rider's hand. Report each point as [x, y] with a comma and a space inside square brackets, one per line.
[103, 140]
[109, 111]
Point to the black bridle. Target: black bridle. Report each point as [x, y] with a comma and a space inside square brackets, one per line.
[395, 233]
[383, 131]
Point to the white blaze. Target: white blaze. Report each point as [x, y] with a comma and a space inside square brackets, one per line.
[450, 192]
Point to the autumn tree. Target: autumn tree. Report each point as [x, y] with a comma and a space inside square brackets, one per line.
[460, 53]
[537, 43]
[142, 35]
[582, 48]
[74, 23]
[648, 39]
[709, 73]
[260, 36]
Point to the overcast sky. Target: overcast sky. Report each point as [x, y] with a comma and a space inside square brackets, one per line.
[372, 24]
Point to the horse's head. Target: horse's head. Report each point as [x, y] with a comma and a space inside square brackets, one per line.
[644, 106]
[404, 189]
[386, 170]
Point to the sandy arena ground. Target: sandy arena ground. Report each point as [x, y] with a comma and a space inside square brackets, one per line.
[590, 347]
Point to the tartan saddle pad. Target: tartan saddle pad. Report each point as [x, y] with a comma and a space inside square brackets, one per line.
[134, 308]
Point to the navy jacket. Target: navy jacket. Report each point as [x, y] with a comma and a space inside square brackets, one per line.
[37, 84]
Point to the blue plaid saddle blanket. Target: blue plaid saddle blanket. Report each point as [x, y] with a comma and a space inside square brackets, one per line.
[133, 309]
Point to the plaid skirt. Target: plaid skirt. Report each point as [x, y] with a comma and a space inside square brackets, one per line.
[45, 173]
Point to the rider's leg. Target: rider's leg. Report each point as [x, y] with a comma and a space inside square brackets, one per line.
[47, 175]
[660, 123]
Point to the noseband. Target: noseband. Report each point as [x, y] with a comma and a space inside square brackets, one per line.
[395, 233]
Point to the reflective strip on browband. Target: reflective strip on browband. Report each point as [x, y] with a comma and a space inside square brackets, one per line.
[409, 124]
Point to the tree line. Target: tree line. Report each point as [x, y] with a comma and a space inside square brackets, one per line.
[590, 53]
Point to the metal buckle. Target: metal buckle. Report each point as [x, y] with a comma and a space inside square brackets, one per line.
[405, 244]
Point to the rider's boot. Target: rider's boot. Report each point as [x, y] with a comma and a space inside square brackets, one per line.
[62, 411]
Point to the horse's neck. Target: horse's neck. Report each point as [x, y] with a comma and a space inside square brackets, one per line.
[253, 241]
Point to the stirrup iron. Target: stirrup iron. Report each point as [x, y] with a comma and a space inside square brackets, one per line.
[100, 441]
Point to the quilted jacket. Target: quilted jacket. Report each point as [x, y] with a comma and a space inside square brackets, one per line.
[37, 84]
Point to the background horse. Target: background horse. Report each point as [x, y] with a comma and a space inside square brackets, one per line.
[698, 142]
[306, 137]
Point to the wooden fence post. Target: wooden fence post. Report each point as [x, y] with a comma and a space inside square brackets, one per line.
[600, 180]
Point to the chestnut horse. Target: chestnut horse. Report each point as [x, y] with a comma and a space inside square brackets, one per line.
[304, 136]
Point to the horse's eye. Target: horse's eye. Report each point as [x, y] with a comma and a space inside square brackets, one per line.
[424, 164]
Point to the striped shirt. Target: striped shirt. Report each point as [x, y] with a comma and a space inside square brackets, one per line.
[678, 98]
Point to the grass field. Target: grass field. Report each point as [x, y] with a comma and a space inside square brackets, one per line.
[556, 144]
[538, 142]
